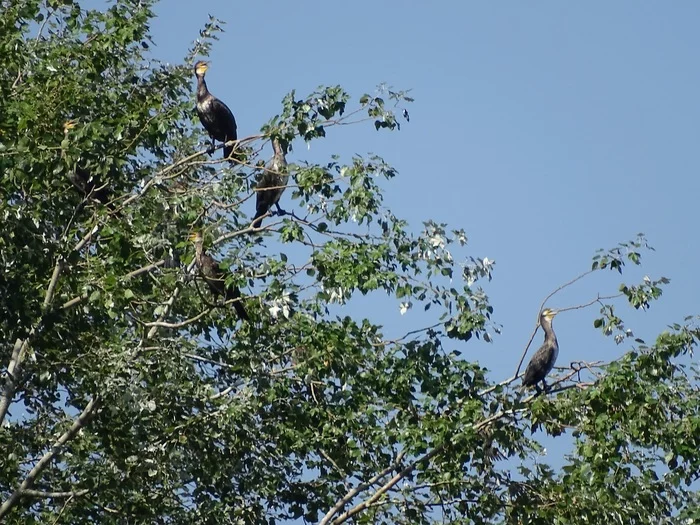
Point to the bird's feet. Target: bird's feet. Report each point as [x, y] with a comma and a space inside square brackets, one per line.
[211, 149]
[280, 211]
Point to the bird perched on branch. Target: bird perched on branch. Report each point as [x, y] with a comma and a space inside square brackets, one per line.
[215, 116]
[543, 361]
[82, 179]
[215, 278]
[274, 177]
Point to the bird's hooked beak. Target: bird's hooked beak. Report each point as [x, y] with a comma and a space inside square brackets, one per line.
[194, 237]
[201, 67]
[70, 124]
[549, 314]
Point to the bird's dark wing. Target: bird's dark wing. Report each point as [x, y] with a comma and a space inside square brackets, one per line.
[227, 121]
[227, 124]
[213, 275]
[238, 303]
[90, 186]
[216, 280]
[218, 120]
[538, 367]
[265, 199]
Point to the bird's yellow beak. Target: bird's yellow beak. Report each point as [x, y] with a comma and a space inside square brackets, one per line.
[193, 236]
[202, 67]
[69, 124]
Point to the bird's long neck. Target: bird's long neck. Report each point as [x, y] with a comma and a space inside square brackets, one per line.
[65, 142]
[199, 252]
[548, 332]
[202, 91]
[279, 159]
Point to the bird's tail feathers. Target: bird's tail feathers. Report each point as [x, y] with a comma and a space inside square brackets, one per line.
[257, 219]
[240, 310]
[232, 156]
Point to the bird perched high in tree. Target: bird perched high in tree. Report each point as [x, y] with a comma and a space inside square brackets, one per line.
[543, 361]
[216, 117]
[271, 183]
[87, 184]
[215, 278]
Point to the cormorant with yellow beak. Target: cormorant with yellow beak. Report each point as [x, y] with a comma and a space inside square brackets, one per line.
[216, 117]
[543, 361]
[215, 278]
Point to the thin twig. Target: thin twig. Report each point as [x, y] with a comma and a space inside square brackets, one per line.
[84, 417]
[163, 324]
[360, 488]
[537, 325]
[63, 509]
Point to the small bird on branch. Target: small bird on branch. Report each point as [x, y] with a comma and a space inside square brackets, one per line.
[271, 183]
[215, 277]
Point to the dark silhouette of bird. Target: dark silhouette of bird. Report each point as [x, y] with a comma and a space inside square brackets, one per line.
[274, 177]
[543, 361]
[87, 184]
[215, 116]
[214, 277]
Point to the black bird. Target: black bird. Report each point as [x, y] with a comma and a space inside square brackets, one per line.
[215, 278]
[543, 361]
[215, 116]
[82, 179]
[274, 177]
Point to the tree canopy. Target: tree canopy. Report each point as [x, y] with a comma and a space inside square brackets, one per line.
[132, 394]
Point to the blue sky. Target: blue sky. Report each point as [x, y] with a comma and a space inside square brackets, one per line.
[545, 132]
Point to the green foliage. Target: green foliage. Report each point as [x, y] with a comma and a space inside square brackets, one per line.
[131, 394]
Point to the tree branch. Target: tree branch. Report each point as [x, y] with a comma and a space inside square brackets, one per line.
[405, 472]
[30, 493]
[537, 325]
[163, 324]
[20, 347]
[387, 486]
[84, 417]
[12, 374]
[360, 488]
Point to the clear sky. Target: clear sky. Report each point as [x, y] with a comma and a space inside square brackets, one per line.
[546, 130]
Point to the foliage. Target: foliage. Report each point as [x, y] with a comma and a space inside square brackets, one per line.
[131, 394]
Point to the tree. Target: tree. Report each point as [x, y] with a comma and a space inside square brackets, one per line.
[131, 394]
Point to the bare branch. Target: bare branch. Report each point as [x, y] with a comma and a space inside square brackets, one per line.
[163, 324]
[12, 373]
[384, 488]
[360, 488]
[84, 417]
[30, 493]
[408, 469]
[537, 325]
[169, 304]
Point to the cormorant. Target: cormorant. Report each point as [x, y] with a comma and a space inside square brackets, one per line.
[81, 178]
[215, 278]
[543, 361]
[215, 116]
[275, 177]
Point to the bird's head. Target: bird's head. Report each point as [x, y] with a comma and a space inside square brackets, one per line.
[196, 237]
[69, 125]
[548, 314]
[200, 68]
